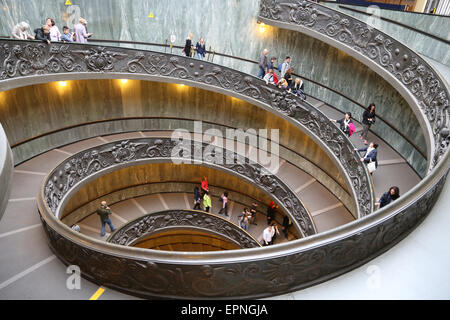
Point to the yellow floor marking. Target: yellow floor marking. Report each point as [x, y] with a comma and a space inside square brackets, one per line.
[97, 294]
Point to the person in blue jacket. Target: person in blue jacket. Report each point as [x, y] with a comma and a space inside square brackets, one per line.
[201, 49]
[371, 153]
[387, 197]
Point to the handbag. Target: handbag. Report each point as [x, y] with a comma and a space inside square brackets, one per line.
[371, 166]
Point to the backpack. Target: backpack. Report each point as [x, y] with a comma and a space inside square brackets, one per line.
[280, 66]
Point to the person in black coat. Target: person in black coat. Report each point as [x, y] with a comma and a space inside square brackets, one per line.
[387, 197]
[43, 34]
[289, 78]
[271, 210]
[188, 45]
[368, 120]
[345, 122]
[197, 199]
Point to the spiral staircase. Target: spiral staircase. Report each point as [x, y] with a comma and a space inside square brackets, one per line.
[66, 168]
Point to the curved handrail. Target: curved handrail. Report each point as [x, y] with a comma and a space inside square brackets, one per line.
[135, 230]
[6, 171]
[28, 62]
[77, 170]
[412, 76]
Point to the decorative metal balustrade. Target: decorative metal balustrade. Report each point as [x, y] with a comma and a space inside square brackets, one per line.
[154, 222]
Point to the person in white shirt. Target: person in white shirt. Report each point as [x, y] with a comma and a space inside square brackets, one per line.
[285, 66]
[55, 35]
[20, 31]
[268, 234]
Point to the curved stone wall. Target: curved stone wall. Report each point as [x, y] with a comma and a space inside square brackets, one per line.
[6, 171]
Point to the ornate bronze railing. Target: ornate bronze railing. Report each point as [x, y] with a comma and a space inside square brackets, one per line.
[134, 231]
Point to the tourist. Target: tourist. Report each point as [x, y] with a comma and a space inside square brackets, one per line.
[283, 85]
[286, 224]
[252, 218]
[288, 76]
[263, 65]
[276, 233]
[76, 228]
[55, 35]
[389, 196]
[345, 124]
[204, 185]
[371, 153]
[271, 64]
[104, 211]
[224, 199]
[201, 49]
[268, 234]
[20, 31]
[197, 199]
[285, 66]
[43, 34]
[271, 77]
[368, 120]
[244, 219]
[206, 201]
[271, 210]
[188, 46]
[81, 34]
[297, 85]
[67, 35]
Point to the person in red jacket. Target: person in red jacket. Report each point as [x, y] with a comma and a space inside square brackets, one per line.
[204, 185]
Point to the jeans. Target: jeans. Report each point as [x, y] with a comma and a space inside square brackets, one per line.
[200, 56]
[261, 73]
[107, 221]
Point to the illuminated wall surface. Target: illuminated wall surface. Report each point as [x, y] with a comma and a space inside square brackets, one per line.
[230, 27]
